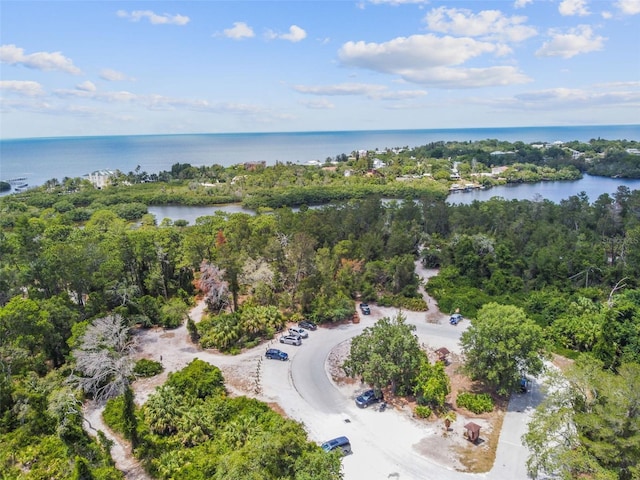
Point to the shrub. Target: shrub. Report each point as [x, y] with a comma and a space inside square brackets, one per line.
[475, 402]
[112, 414]
[199, 379]
[423, 411]
[147, 368]
[413, 304]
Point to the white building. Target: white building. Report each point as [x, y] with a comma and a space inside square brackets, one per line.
[100, 178]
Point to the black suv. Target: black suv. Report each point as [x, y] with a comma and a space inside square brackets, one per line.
[367, 398]
[275, 354]
[308, 325]
[364, 308]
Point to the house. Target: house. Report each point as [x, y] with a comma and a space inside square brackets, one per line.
[377, 163]
[100, 178]
[251, 166]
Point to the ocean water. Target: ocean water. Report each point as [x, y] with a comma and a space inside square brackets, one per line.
[42, 159]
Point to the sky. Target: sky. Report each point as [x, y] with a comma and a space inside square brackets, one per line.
[157, 67]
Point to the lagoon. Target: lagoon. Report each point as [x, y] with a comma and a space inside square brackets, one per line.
[555, 192]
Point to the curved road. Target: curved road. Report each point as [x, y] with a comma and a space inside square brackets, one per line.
[384, 443]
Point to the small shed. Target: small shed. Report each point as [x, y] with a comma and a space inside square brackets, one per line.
[473, 431]
[443, 353]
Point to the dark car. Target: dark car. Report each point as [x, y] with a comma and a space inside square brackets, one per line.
[367, 398]
[308, 325]
[275, 354]
[364, 308]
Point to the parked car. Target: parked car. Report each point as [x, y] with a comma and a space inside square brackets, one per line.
[291, 340]
[364, 308]
[308, 325]
[455, 319]
[341, 442]
[275, 354]
[300, 332]
[367, 398]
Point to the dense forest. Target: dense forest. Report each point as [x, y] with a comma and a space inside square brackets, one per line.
[79, 264]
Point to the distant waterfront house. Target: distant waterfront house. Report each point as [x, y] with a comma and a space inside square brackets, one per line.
[633, 151]
[250, 166]
[499, 153]
[100, 178]
[377, 163]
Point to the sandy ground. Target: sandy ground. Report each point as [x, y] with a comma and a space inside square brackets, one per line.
[174, 350]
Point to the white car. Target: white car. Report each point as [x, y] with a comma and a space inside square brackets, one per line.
[291, 340]
[298, 332]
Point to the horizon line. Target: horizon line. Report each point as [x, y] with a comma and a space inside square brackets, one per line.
[319, 131]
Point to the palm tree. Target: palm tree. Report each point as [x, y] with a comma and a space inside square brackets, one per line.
[163, 411]
[449, 417]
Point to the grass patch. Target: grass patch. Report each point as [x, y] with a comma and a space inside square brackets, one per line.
[479, 458]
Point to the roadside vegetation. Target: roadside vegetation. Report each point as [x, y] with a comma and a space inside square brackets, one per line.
[79, 264]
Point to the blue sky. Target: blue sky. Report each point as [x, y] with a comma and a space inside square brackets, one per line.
[148, 67]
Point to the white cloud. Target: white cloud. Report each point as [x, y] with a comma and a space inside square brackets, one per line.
[629, 7]
[570, 8]
[376, 92]
[112, 75]
[239, 31]
[321, 104]
[606, 14]
[521, 3]
[566, 45]
[397, 2]
[47, 61]
[577, 98]
[431, 60]
[595, 98]
[295, 34]
[156, 102]
[22, 87]
[154, 18]
[86, 86]
[486, 24]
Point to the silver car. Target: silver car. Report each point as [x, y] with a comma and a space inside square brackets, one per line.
[291, 340]
[298, 332]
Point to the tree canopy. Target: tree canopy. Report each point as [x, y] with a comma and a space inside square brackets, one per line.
[588, 425]
[385, 355]
[501, 346]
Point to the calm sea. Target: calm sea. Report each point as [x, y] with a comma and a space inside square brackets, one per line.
[42, 159]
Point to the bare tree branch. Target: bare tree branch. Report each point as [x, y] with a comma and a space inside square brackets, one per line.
[103, 360]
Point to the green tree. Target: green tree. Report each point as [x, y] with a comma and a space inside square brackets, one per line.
[387, 354]
[588, 425]
[432, 384]
[129, 417]
[198, 379]
[501, 346]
